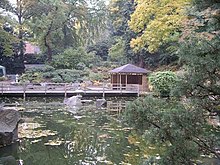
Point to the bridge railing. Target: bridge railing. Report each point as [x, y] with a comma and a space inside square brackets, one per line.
[64, 87]
[127, 87]
[45, 87]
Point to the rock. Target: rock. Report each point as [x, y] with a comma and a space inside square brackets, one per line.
[73, 101]
[101, 103]
[9, 119]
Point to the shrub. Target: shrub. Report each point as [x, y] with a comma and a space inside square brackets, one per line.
[81, 66]
[57, 79]
[163, 82]
[117, 51]
[74, 59]
[45, 68]
[3, 78]
[67, 75]
[32, 77]
[47, 75]
[48, 68]
[95, 77]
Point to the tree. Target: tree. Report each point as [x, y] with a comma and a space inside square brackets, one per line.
[6, 38]
[180, 129]
[9, 45]
[51, 27]
[117, 51]
[23, 11]
[94, 28]
[120, 11]
[199, 49]
[157, 22]
[100, 49]
[65, 24]
[120, 14]
[187, 118]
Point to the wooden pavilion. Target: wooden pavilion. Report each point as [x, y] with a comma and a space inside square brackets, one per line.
[128, 77]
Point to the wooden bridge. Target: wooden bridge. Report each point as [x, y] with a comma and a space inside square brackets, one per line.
[65, 90]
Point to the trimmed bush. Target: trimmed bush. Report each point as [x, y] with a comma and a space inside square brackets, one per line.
[67, 75]
[95, 77]
[32, 77]
[163, 82]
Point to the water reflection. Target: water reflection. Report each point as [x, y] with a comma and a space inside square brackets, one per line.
[50, 134]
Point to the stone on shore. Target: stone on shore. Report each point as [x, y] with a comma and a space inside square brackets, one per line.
[9, 119]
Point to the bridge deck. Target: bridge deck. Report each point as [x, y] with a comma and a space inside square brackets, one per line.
[66, 90]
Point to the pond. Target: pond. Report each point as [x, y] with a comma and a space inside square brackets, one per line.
[52, 134]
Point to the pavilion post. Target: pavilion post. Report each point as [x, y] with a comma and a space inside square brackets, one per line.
[111, 81]
[24, 90]
[117, 80]
[2, 87]
[120, 81]
[126, 81]
[65, 90]
[103, 89]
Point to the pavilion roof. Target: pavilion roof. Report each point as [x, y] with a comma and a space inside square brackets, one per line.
[129, 68]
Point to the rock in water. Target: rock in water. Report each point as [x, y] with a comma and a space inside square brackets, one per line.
[74, 101]
[9, 119]
[101, 103]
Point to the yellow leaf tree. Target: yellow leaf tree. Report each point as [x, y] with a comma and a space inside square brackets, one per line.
[158, 22]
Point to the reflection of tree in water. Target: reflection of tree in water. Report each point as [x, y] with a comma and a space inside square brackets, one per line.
[84, 147]
[106, 143]
[39, 154]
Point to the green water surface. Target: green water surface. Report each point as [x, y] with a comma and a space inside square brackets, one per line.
[54, 134]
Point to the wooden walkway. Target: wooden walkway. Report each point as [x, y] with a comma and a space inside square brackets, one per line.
[64, 90]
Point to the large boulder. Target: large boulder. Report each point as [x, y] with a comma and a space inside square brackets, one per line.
[101, 103]
[74, 101]
[9, 119]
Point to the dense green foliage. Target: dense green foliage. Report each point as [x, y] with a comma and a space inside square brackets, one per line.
[100, 49]
[9, 48]
[157, 22]
[163, 82]
[53, 25]
[49, 73]
[74, 59]
[6, 41]
[120, 11]
[120, 14]
[179, 127]
[117, 52]
[65, 24]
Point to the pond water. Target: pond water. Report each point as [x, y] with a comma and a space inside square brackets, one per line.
[52, 134]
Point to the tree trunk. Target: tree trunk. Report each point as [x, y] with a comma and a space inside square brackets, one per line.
[21, 42]
[49, 50]
[141, 61]
[47, 44]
